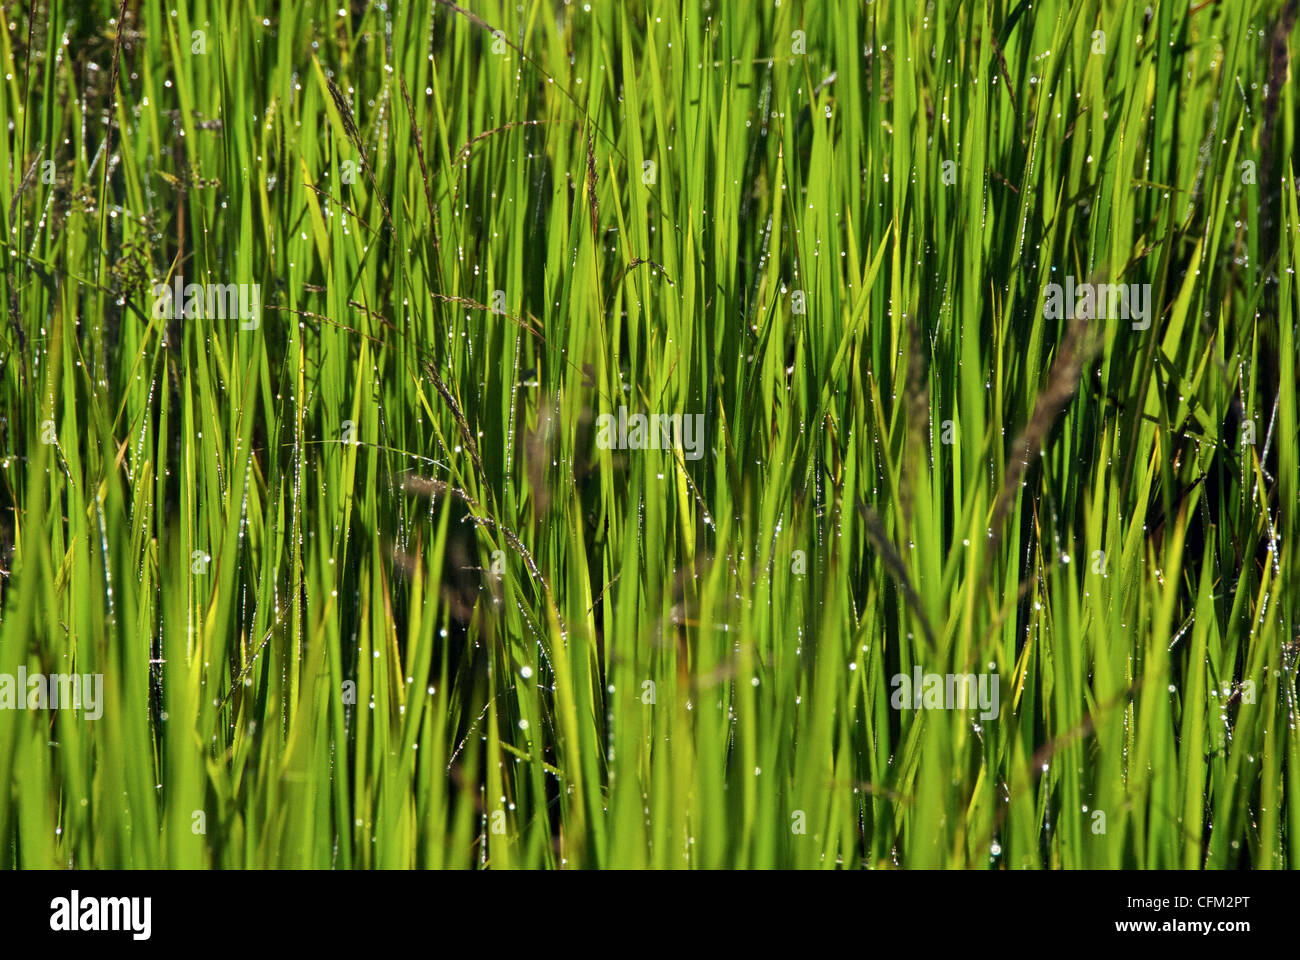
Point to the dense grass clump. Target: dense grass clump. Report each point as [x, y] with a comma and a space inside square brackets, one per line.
[378, 569]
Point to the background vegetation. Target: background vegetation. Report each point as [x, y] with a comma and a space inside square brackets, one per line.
[363, 589]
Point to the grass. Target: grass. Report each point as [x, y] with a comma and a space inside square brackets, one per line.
[366, 593]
